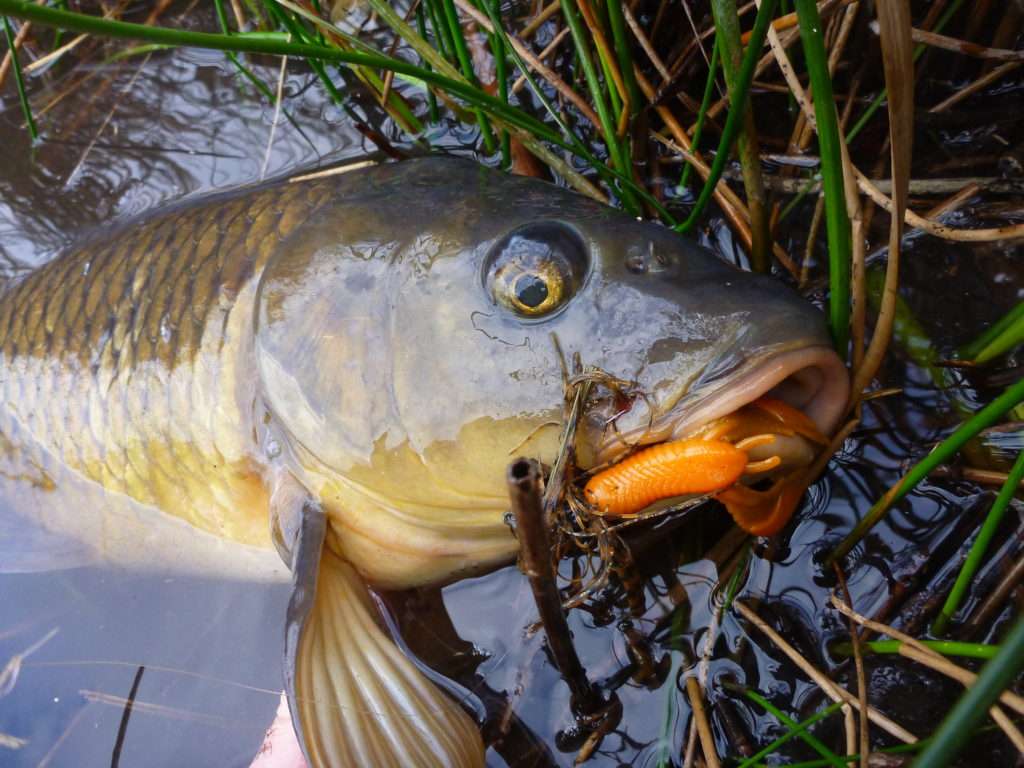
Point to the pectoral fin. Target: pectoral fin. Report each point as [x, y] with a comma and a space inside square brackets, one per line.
[356, 700]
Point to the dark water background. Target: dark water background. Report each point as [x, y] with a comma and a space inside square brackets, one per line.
[179, 124]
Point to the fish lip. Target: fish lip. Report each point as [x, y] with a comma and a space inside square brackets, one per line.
[754, 379]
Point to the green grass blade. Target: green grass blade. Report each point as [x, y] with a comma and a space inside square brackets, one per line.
[977, 552]
[498, 49]
[943, 452]
[466, 63]
[620, 159]
[1000, 338]
[748, 150]
[421, 27]
[837, 221]
[705, 104]
[85, 23]
[945, 647]
[961, 723]
[734, 118]
[795, 730]
[19, 82]
[624, 54]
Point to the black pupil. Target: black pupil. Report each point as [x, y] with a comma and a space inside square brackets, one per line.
[531, 291]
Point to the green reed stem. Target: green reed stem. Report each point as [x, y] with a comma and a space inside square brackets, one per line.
[79, 22]
[442, 34]
[624, 54]
[945, 647]
[961, 723]
[466, 64]
[733, 120]
[943, 452]
[395, 105]
[727, 37]
[499, 49]
[421, 26]
[19, 83]
[999, 338]
[795, 730]
[620, 159]
[705, 104]
[977, 552]
[837, 221]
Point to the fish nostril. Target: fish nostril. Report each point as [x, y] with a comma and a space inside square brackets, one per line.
[636, 263]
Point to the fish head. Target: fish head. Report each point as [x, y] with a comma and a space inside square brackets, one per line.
[412, 338]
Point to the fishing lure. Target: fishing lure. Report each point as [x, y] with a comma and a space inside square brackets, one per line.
[713, 461]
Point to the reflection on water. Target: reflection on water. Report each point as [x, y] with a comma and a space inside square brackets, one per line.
[127, 137]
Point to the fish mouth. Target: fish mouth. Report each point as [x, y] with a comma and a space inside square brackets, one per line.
[811, 379]
[748, 438]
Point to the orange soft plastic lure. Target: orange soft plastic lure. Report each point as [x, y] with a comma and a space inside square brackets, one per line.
[709, 463]
[693, 465]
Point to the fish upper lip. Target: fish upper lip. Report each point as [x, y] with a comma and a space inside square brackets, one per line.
[815, 367]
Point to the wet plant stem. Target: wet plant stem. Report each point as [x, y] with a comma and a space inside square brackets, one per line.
[85, 23]
[421, 26]
[727, 38]
[498, 48]
[1001, 337]
[942, 453]
[973, 706]
[466, 64]
[837, 220]
[796, 730]
[619, 156]
[974, 557]
[945, 647]
[709, 89]
[525, 489]
[732, 122]
[623, 52]
[19, 82]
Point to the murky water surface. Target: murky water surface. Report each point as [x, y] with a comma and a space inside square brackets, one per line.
[123, 139]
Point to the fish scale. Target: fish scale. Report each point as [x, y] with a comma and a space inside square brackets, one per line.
[123, 357]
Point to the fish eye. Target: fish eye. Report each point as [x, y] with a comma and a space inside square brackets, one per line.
[535, 269]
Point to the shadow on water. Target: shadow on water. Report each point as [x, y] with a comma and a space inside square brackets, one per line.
[177, 124]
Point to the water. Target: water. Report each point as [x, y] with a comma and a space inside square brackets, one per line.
[143, 132]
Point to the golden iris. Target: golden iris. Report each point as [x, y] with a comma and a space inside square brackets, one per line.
[532, 290]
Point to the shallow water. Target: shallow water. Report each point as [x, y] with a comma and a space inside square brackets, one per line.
[177, 125]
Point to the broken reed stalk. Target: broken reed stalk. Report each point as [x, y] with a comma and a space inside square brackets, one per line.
[700, 717]
[525, 490]
[864, 742]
